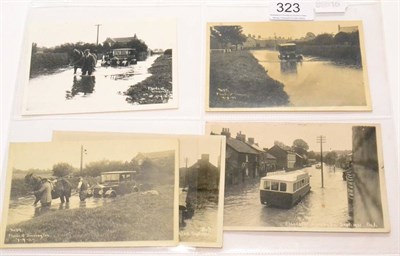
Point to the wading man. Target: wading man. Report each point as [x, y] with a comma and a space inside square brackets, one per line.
[88, 63]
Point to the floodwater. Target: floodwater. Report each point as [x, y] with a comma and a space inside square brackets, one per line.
[64, 92]
[315, 82]
[23, 208]
[202, 227]
[321, 208]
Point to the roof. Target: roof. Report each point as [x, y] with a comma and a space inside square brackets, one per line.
[287, 176]
[240, 146]
[118, 49]
[122, 39]
[256, 147]
[285, 150]
[269, 156]
[119, 172]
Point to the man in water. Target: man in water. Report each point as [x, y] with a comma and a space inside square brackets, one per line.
[88, 63]
[44, 192]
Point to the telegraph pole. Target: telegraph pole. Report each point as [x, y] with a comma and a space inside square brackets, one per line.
[98, 26]
[82, 151]
[321, 139]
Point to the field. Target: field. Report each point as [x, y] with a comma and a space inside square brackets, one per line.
[43, 63]
[237, 80]
[133, 217]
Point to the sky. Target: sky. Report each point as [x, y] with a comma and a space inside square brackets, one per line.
[157, 34]
[43, 155]
[191, 149]
[292, 29]
[338, 136]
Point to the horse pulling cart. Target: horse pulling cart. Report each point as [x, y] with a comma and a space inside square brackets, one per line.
[115, 183]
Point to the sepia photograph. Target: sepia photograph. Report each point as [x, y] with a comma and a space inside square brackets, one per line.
[286, 66]
[303, 177]
[201, 183]
[91, 194]
[102, 66]
[201, 190]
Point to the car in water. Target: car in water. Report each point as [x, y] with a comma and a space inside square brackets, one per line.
[284, 189]
[120, 57]
[115, 183]
[288, 52]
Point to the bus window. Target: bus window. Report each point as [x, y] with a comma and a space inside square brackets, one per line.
[274, 185]
[267, 185]
[282, 187]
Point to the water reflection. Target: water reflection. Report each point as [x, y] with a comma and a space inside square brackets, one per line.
[289, 67]
[83, 85]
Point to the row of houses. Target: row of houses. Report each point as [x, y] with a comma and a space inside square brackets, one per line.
[245, 159]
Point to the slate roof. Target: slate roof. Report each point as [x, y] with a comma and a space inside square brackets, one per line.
[121, 39]
[240, 146]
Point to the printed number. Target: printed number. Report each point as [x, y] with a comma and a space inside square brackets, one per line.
[288, 7]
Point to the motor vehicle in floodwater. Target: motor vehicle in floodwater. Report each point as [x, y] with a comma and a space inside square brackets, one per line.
[284, 189]
[120, 57]
[115, 183]
[288, 52]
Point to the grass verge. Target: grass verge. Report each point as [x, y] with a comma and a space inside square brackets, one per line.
[237, 80]
[133, 217]
[157, 88]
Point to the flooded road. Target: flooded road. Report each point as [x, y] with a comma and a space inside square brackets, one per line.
[103, 91]
[202, 227]
[321, 208]
[315, 82]
[22, 209]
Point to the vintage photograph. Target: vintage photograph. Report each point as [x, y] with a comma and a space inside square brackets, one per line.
[201, 190]
[100, 67]
[92, 194]
[303, 177]
[286, 66]
[201, 183]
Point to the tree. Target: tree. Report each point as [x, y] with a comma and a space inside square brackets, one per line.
[309, 36]
[300, 146]
[323, 39]
[226, 35]
[342, 38]
[34, 48]
[62, 169]
[330, 158]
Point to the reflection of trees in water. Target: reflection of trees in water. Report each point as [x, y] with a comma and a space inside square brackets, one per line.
[84, 85]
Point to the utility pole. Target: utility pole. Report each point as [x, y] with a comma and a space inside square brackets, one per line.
[98, 26]
[82, 152]
[321, 139]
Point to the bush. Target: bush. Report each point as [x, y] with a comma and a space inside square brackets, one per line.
[41, 62]
[168, 52]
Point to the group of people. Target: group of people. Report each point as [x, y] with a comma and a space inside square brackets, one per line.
[45, 191]
[85, 60]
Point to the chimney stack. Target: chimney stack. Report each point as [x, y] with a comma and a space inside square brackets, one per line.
[226, 132]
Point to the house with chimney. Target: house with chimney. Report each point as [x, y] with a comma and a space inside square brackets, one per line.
[242, 161]
[266, 162]
[202, 175]
[121, 40]
[285, 158]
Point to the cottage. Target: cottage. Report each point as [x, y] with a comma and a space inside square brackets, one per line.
[267, 162]
[122, 40]
[241, 159]
[285, 159]
[202, 175]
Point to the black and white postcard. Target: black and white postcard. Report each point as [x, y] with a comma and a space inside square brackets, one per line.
[286, 66]
[201, 182]
[303, 177]
[91, 194]
[99, 65]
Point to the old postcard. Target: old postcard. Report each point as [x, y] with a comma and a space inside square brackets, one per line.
[286, 66]
[99, 65]
[92, 194]
[303, 177]
[201, 183]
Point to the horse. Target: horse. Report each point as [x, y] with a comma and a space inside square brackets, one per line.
[77, 59]
[61, 188]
